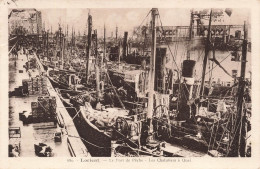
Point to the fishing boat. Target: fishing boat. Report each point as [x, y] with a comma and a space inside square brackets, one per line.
[92, 128]
[192, 124]
[100, 134]
[106, 128]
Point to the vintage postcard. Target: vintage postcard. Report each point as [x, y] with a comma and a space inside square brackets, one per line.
[132, 84]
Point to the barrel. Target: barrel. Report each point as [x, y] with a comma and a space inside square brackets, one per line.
[188, 68]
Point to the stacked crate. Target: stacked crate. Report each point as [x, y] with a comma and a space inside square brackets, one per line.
[40, 85]
[35, 82]
[43, 107]
[18, 91]
[25, 85]
[44, 110]
[34, 106]
[36, 85]
[44, 83]
[30, 88]
[52, 106]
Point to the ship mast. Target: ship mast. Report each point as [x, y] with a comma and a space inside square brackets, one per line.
[47, 42]
[51, 35]
[190, 34]
[152, 70]
[191, 25]
[239, 147]
[88, 46]
[207, 48]
[97, 64]
[60, 36]
[67, 30]
[104, 52]
[67, 39]
[116, 33]
[71, 40]
[61, 47]
[43, 41]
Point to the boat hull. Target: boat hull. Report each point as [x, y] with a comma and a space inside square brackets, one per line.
[96, 141]
[56, 84]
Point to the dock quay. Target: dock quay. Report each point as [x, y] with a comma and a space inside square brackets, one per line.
[42, 132]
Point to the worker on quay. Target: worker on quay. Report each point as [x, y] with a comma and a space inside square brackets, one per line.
[30, 73]
[15, 53]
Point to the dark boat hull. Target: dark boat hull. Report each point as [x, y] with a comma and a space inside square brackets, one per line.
[96, 141]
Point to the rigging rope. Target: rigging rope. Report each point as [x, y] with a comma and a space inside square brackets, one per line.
[168, 45]
[90, 142]
[142, 22]
[217, 65]
[115, 91]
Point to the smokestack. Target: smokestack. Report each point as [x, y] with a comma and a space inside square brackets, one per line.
[125, 44]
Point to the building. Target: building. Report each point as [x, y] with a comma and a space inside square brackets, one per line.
[24, 22]
[178, 33]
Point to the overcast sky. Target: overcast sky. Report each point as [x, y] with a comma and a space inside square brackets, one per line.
[125, 19]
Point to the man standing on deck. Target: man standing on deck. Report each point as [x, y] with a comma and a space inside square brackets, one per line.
[15, 54]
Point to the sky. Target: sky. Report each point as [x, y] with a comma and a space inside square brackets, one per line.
[125, 19]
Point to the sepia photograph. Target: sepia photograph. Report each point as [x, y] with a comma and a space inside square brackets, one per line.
[129, 82]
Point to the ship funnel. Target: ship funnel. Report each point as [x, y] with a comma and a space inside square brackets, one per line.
[186, 89]
[125, 45]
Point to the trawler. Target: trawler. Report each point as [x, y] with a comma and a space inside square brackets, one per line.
[160, 119]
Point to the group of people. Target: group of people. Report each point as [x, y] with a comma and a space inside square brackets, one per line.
[20, 49]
